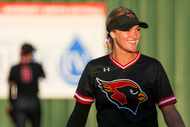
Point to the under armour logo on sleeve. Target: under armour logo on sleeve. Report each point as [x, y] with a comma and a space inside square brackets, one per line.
[106, 69]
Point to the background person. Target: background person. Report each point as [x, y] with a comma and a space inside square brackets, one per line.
[23, 81]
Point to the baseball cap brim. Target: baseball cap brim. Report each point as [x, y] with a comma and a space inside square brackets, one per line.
[27, 48]
[127, 26]
[124, 23]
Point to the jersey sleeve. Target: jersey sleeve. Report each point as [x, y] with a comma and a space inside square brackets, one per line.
[41, 71]
[84, 92]
[78, 116]
[11, 79]
[164, 92]
[11, 75]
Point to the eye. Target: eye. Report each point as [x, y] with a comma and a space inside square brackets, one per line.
[133, 92]
[138, 29]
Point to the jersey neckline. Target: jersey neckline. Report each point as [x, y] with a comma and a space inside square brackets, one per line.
[115, 62]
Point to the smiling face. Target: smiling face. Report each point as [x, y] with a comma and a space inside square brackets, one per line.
[126, 41]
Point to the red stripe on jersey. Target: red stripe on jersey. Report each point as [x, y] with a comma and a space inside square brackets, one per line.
[83, 99]
[167, 101]
[26, 74]
[128, 64]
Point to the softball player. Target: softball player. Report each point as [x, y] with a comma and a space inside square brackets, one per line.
[23, 82]
[125, 85]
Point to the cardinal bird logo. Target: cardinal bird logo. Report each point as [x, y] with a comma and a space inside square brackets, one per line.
[124, 93]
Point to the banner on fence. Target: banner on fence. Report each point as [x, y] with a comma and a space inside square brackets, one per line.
[66, 35]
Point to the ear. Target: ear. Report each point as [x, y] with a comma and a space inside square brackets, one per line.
[112, 34]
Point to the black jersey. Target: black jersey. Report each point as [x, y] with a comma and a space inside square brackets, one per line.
[26, 77]
[125, 95]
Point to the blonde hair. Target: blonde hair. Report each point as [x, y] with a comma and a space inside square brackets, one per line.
[113, 15]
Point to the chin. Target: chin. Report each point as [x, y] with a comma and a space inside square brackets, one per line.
[133, 50]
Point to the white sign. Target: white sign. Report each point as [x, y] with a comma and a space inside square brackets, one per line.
[66, 35]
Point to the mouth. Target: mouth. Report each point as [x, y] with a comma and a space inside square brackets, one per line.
[133, 41]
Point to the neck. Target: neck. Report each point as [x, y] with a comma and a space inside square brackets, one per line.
[25, 60]
[124, 57]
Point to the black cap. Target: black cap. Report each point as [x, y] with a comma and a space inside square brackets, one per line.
[125, 21]
[27, 48]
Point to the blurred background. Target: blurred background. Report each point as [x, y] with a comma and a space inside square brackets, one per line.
[67, 40]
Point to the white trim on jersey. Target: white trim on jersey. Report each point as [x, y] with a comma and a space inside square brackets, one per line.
[84, 99]
[165, 101]
[128, 64]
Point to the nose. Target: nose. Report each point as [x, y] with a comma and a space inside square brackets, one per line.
[134, 33]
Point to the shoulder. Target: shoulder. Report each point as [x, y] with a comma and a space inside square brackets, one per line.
[99, 61]
[149, 60]
[37, 64]
[16, 66]
[152, 63]
[14, 69]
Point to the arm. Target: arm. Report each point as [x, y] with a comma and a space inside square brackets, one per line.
[12, 85]
[41, 71]
[79, 115]
[12, 91]
[172, 116]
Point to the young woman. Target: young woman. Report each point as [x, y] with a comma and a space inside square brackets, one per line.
[125, 85]
[23, 82]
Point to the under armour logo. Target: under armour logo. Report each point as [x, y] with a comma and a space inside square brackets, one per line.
[106, 69]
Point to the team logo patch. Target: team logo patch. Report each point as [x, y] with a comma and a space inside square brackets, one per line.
[124, 93]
